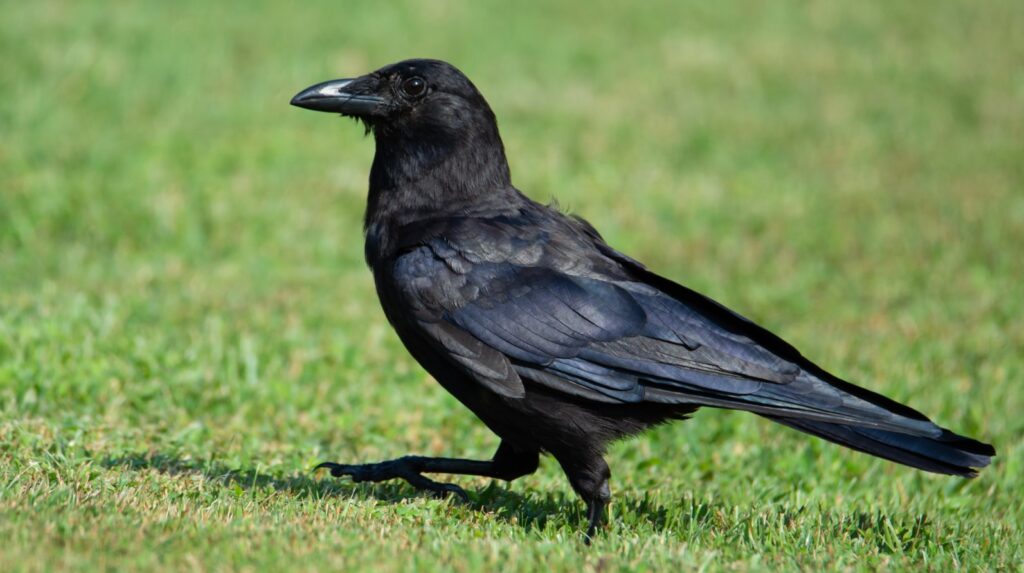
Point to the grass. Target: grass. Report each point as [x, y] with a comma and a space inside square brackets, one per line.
[186, 325]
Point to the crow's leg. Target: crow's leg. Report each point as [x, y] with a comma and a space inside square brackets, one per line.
[588, 473]
[508, 464]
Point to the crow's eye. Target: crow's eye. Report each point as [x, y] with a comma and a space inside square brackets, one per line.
[414, 87]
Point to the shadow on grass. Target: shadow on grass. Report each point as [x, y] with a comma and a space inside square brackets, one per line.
[689, 518]
[528, 512]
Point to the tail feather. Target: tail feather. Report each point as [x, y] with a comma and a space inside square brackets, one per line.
[948, 453]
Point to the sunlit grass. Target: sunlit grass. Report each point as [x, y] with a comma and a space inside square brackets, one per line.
[186, 324]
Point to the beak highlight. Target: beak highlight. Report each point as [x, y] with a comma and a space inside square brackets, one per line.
[339, 96]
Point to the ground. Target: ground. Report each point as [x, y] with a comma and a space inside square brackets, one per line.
[187, 327]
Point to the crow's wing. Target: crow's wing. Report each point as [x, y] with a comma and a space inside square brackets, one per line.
[551, 308]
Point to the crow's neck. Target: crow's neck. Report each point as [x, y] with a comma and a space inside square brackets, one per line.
[422, 176]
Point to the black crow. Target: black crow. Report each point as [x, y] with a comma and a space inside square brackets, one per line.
[559, 343]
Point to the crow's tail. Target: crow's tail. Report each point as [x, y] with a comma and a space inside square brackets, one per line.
[947, 453]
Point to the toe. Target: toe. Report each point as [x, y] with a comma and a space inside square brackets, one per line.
[452, 489]
[337, 470]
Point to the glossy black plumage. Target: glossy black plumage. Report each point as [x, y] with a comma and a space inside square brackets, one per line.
[555, 340]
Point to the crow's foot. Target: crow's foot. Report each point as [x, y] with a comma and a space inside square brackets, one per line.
[407, 468]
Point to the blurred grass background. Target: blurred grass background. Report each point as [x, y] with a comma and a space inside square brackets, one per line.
[186, 324]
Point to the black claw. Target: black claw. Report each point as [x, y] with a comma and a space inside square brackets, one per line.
[391, 470]
[337, 470]
[595, 511]
[439, 489]
[589, 534]
[451, 488]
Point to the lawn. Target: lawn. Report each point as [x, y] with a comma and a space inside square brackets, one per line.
[187, 326]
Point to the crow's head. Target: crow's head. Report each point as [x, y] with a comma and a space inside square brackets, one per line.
[437, 141]
[415, 98]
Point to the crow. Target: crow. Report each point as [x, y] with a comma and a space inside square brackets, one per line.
[559, 343]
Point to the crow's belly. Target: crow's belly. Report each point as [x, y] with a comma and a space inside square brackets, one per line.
[544, 419]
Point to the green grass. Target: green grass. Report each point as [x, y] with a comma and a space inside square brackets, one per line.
[186, 325]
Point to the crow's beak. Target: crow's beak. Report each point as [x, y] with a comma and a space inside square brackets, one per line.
[340, 96]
